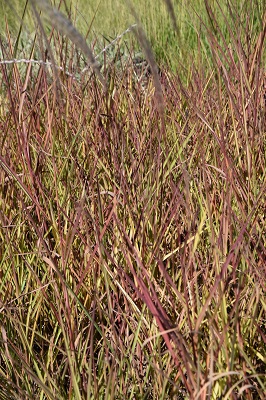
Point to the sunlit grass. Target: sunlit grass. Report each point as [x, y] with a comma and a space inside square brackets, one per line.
[132, 231]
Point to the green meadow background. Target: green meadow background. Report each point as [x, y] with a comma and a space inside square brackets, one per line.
[105, 20]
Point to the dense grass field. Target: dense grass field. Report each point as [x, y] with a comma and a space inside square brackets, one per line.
[132, 200]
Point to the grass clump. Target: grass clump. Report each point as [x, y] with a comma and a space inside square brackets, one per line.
[133, 219]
